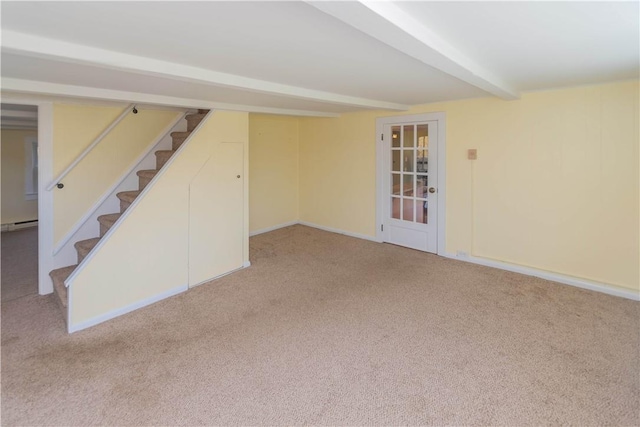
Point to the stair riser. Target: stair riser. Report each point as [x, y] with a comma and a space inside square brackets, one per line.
[58, 277]
[61, 296]
[81, 255]
[177, 142]
[161, 160]
[124, 205]
[192, 122]
[103, 229]
[142, 182]
[62, 301]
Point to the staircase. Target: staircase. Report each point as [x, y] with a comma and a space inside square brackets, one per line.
[84, 247]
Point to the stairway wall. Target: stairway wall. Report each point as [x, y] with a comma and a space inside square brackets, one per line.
[74, 128]
[146, 256]
[67, 254]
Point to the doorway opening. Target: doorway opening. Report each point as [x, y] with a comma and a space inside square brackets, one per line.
[19, 213]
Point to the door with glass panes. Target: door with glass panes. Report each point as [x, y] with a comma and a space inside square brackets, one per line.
[410, 185]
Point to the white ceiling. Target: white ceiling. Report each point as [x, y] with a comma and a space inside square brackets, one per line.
[313, 58]
[542, 45]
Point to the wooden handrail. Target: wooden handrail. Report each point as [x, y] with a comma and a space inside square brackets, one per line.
[87, 150]
[136, 163]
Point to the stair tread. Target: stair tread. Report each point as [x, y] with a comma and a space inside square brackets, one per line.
[109, 219]
[181, 134]
[58, 276]
[162, 157]
[87, 245]
[128, 196]
[196, 116]
[61, 274]
[147, 173]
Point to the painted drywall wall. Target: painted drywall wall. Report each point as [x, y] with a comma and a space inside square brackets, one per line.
[74, 128]
[555, 185]
[273, 162]
[147, 253]
[338, 172]
[15, 207]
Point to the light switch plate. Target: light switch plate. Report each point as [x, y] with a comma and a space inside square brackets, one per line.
[472, 154]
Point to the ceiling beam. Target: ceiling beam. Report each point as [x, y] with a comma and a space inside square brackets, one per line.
[18, 124]
[41, 47]
[388, 23]
[20, 86]
[16, 114]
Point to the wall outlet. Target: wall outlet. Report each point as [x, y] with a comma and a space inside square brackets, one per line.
[472, 154]
[462, 254]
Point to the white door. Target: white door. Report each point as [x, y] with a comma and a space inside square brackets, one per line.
[410, 185]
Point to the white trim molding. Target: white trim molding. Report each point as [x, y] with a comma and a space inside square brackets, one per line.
[548, 275]
[527, 271]
[120, 311]
[274, 228]
[18, 225]
[313, 225]
[45, 198]
[245, 264]
[339, 231]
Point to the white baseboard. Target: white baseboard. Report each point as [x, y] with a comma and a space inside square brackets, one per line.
[528, 271]
[244, 265]
[547, 275]
[18, 226]
[338, 231]
[275, 227]
[124, 310]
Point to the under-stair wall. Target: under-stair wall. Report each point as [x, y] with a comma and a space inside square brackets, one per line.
[151, 252]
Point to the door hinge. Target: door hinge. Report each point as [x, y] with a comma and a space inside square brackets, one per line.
[382, 136]
[381, 227]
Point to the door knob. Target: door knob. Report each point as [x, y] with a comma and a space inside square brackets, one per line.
[432, 189]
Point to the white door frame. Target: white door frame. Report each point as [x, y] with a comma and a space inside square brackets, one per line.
[45, 175]
[381, 122]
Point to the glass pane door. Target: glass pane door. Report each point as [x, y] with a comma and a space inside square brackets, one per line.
[409, 172]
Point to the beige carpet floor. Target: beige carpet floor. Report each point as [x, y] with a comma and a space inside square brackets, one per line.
[19, 265]
[330, 330]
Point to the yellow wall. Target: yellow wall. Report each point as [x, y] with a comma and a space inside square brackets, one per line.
[14, 206]
[75, 128]
[273, 162]
[338, 172]
[555, 186]
[150, 247]
[218, 200]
